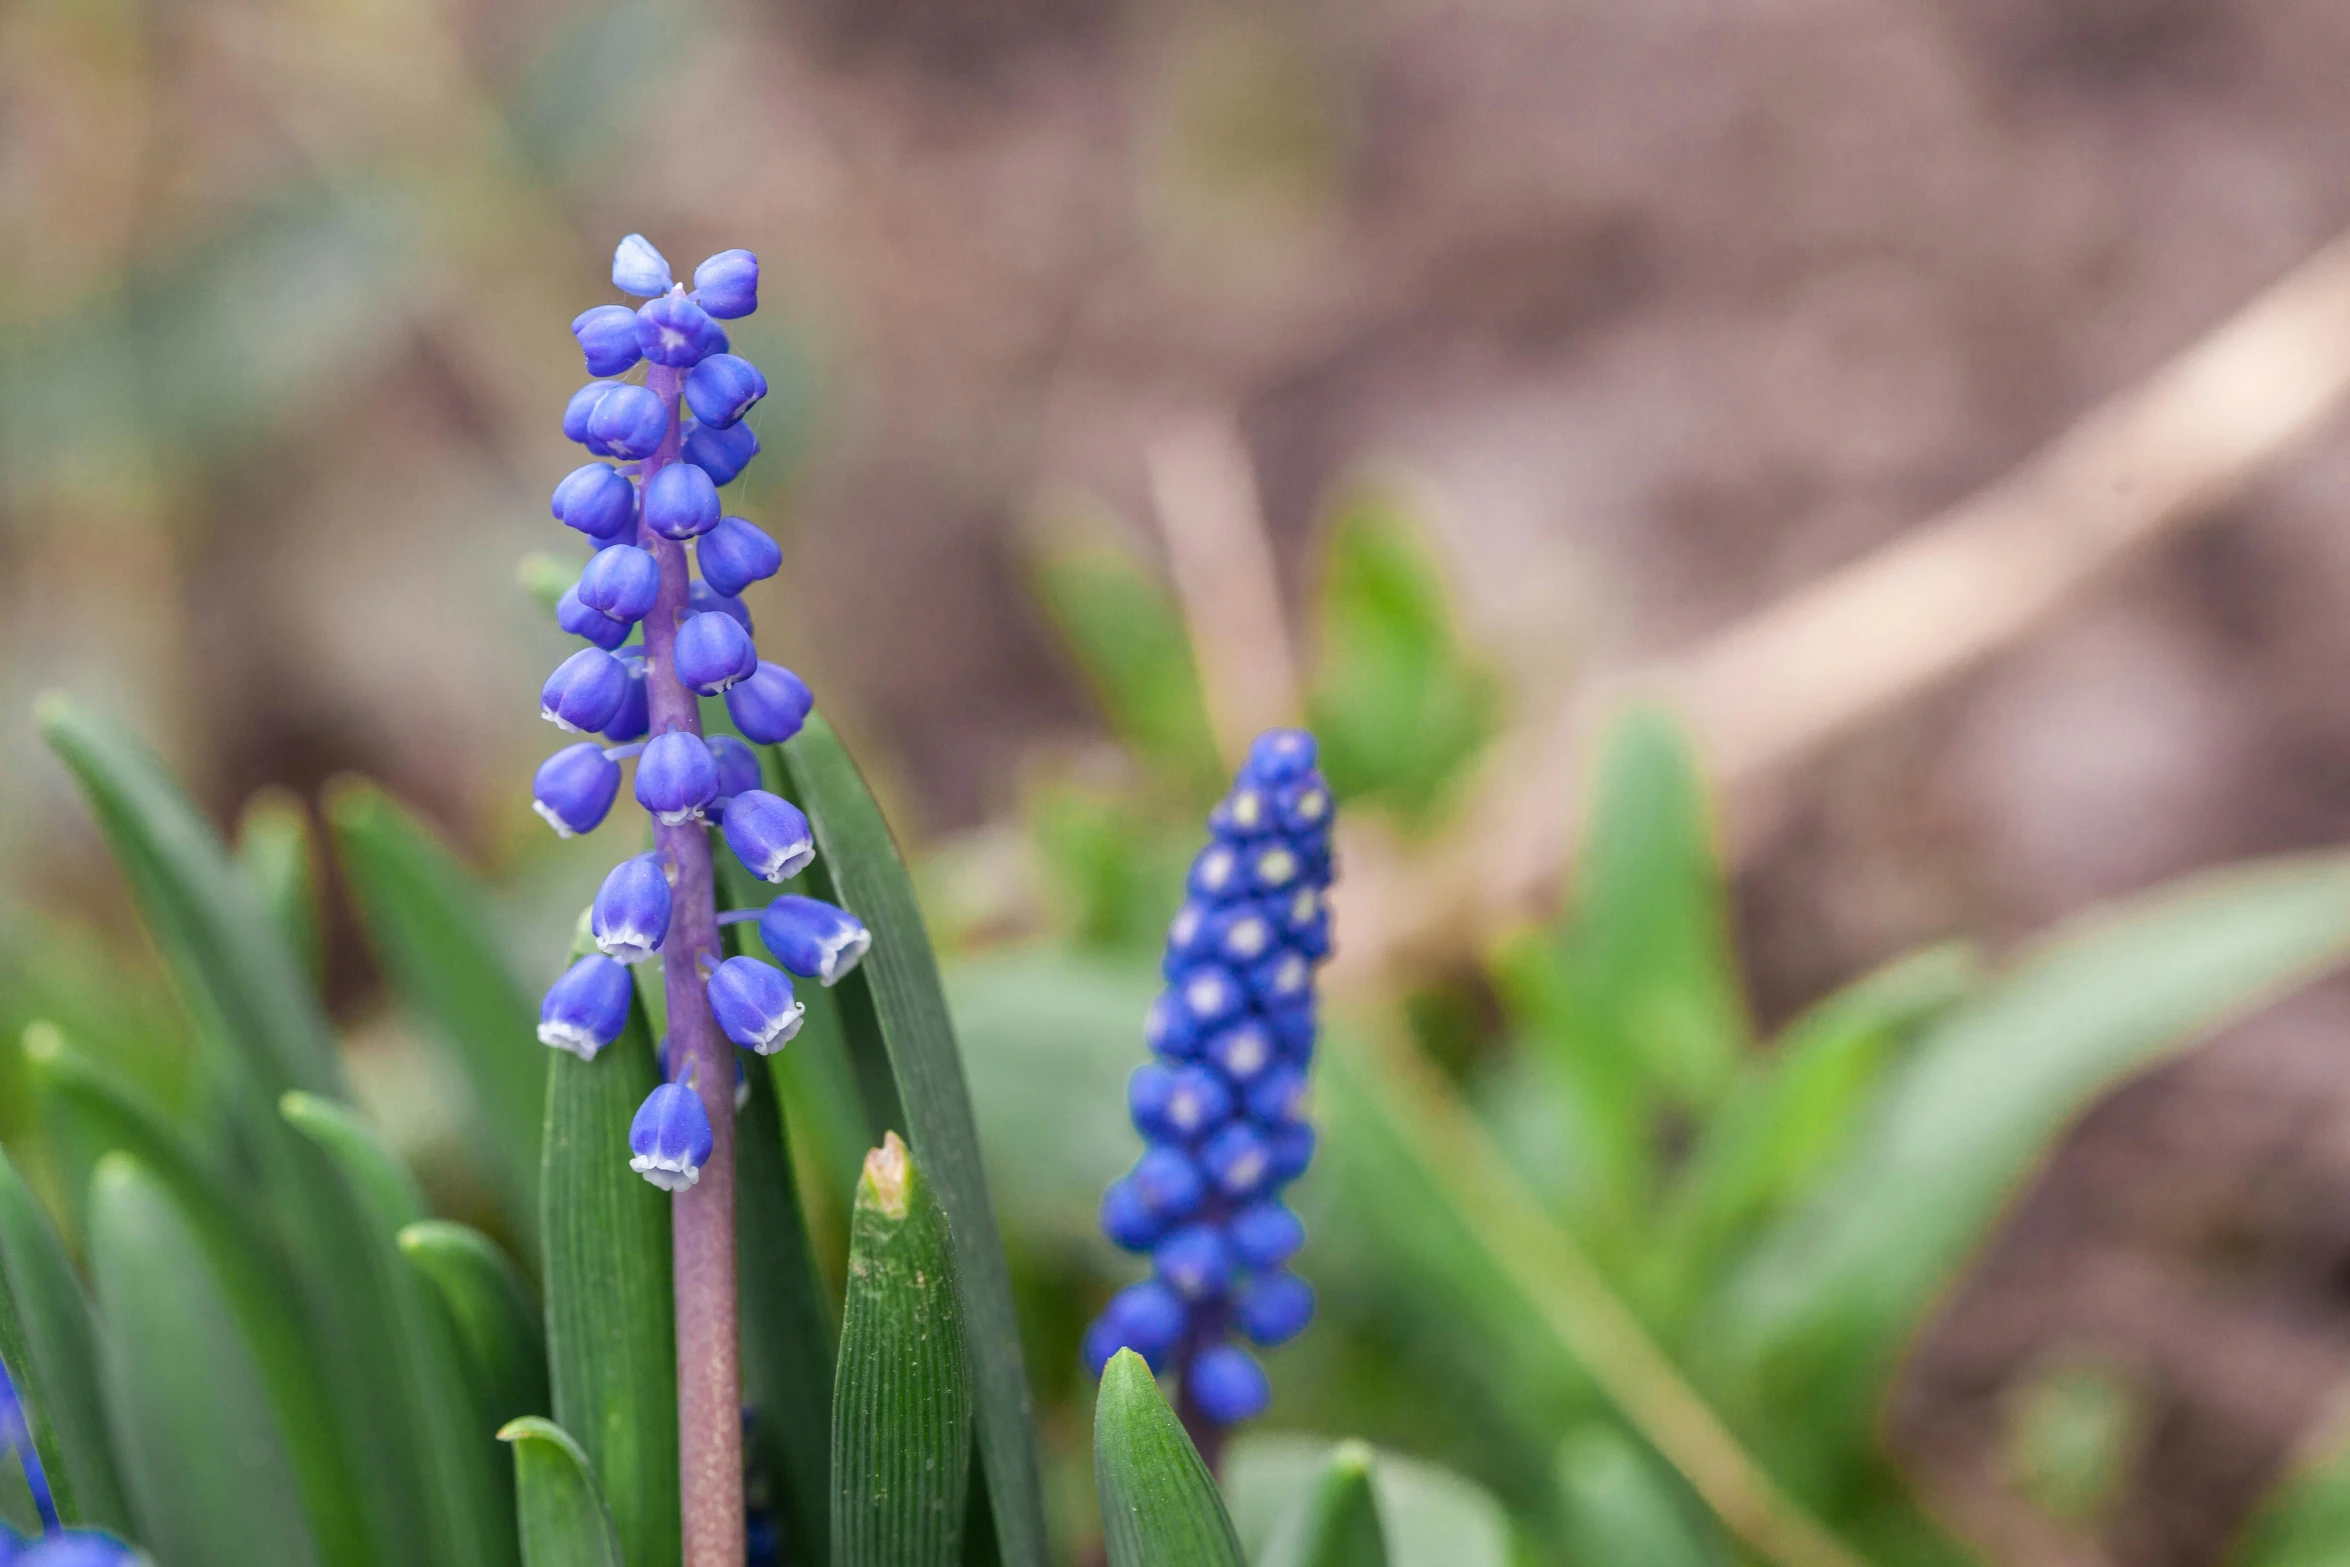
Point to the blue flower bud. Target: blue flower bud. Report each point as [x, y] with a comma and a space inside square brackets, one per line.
[580, 409]
[1238, 1160]
[631, 915]
[703, 599]
[574, 788]
[713, 653]
[1147, 1318]
[639, 269]
[812, 938]
[607, 336]
[621, 581]
[1305, 920]
[1227, 1384]
[670, 1137]
[1244, 813]
[585, 691]
[1302, 806]
[1292, 1144]
[1274, 866]
[1188, 943]
[722, 388]
[1210, 994]
[770, 706]
[1278, 755]
[1126, 1219]
[629, 422]
[769, 835]
[1293, 1033]
[724, 453]
[1216, 874]
[1176, 1105]
[597, 499]
[754, 1005]
[586, 1009]
[680, 501]
[1276, 1096]
[1282, 981]
[1274, 1308]
[736, 554]
[727, 285]
[1194, 1262]
[738, 766]
[1168, 1183]
[675, 777]
[1265, 1234]
[1168, 1028]
[635, 716]
[593, 624]
[1242, 935]
[674, 331]
[1242, 1051]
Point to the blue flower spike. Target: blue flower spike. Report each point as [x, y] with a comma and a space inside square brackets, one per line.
[630, 919]
[670, 1139]
[585, 1009]
[1220, 1104]
[812, 938]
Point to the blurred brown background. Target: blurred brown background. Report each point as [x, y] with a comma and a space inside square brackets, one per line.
[1664, 309]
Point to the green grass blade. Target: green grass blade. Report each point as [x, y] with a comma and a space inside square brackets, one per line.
[901, 1405]
[1622, 1506]
[900, 975]
[1431, 1517]
[1160, 1506]
[468, 1495]
[426, 918]
[499, 1332]
[49, 1346]
[564, 1520]
[210, 1479]
[1336, 1523]
[611, 1327]
[239, 980]
[274, 851]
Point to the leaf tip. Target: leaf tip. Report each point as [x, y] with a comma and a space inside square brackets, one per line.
[52, 711]
[1352, 1458]
[889, 1177]
[44, 1042]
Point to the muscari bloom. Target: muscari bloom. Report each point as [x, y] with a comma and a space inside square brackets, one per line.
[651, 507]
[1219, 1104]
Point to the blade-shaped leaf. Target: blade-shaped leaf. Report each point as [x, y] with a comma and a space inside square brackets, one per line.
[210, 1480]
[48, 1345]
[274, 852]
[233, 969]
[1431, 1517]
[901, 1403]
[1622, 1506]
[1160, 1506]
[1817, 1318]
[564, 1520]
[909, 1015]
[611, 1328]
[425, 917]
[499, 1332]
[468, 1497]
[1336, 1522]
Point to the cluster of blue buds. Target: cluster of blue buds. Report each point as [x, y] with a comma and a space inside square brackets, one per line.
[1220, 1103]
[661, 634]
[55, 1546]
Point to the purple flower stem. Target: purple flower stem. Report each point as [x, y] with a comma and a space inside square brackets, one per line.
[709, 1373]
[1205, 1431]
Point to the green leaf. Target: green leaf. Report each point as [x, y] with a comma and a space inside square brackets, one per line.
[50, 1348]
[210, 1479]
[274, 852]
[564, 1520]
[94, 1117]
[1336, 1523]
[1623, 1506]
[611, 1328]
[1812, 1325]
[1399, 705]
[499, 1335]
[1431, 1517]
[901, 1402]
[468, 1498]
[908, 1021]
[426, 918]
[1160, 1506]
[234, 971]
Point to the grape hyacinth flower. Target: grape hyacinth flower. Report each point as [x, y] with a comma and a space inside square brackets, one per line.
[667, 417]
[1218, 1105]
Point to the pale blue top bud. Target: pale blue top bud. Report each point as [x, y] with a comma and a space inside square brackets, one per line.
[724, 453]
[727, 284]
[771, 706]
[631, 915]
[769, 835]
[670, 1138]
[674, 331]
[754, 1005]
[736, 554]
[738, 766]
[607, 336]
[1278, 755]
[639, 269]
[681, 501]
[622, 581]
[675, 777]
[574, 788]
[722, 388]
[582, 621]
[586, 1009]
[629, 422]
[598, 500]
[713, 653]
[585, 691]
[812, 938]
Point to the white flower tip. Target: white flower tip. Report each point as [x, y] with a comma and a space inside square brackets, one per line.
[789, 861]
[546, 812]
[692, 813]
[571, 1037]
[784, 1030]
[559, 721]
[671, 1175]
[843, 955]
